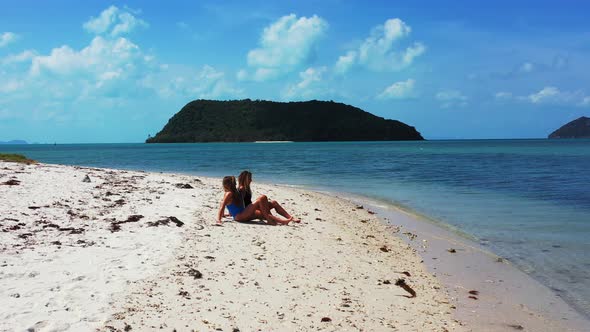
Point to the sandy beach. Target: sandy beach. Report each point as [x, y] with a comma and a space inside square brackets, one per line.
[85, 249]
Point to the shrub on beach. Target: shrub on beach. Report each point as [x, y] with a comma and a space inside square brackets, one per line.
[17, 158]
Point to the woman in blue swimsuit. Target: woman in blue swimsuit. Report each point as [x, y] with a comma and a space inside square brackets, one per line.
[235, 204]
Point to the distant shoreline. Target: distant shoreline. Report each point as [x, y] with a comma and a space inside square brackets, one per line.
[274, 141]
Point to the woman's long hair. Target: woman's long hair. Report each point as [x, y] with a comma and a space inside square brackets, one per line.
[244, 180]
[229, 183]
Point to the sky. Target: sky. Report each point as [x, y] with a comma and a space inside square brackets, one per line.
[108, 72]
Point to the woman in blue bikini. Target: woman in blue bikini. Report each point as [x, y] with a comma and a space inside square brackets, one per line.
[259, 209]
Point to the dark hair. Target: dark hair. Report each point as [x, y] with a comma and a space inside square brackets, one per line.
[242, 180]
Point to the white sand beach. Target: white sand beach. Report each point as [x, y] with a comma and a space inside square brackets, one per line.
[138, 251]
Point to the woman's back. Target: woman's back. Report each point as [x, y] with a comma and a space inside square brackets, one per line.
[246, 196]
[237, 204]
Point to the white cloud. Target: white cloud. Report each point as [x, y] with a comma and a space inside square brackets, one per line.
[115, 20]
[526, 67]
[503, 95]
[10, 86]
[398, 90]
[103, 22]
[306, 88]
[242, 75]
[211, 83]
[127, 23]
[264, 74]
[107, 73]
[106, 69]
[187, 83]
[7, 38]
[553, 95]
[447, 95]
[451, 98]
[381, 52]
[547, 94]
[24, 56]
[285, 45]
[345, 62]
[100, 56]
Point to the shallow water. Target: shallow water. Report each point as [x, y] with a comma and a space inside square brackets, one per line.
[526, 200]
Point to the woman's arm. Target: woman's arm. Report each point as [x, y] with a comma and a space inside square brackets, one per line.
[227, 198]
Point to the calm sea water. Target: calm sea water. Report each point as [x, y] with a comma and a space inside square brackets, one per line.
[526, 200]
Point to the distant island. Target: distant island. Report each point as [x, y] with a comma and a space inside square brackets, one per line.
[16, 141]
[259, 120]
[579, 128]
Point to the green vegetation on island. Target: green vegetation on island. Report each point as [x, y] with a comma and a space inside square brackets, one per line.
[17, 158]
[258, 120]
[579, 128]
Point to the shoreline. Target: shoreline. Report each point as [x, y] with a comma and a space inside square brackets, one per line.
[432, 225]
[472, 267]
[506, 296]
[135, 293]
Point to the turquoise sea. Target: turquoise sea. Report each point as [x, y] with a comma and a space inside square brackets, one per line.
[525, 200]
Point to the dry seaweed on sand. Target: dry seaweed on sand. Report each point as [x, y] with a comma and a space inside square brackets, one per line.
[402, 283]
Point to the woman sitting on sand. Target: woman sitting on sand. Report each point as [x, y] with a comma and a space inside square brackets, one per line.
[259, 209]
[244, 180]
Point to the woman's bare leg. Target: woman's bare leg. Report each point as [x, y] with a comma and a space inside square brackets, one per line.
[280, 210]
[253, 211]
[261, 204]
[264, 207]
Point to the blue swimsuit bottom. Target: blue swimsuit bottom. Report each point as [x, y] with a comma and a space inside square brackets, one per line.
[234, 210]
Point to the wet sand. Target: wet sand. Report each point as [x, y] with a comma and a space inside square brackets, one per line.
[505, 298]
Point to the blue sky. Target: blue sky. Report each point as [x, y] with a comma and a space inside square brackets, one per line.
[94, 71]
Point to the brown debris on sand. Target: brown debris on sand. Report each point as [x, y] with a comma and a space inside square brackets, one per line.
[402, 283]
[116, 225]
[184, 294]
[72, 230]
[196, 274]
[410, 235]
[11, 183]
[165, 222]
